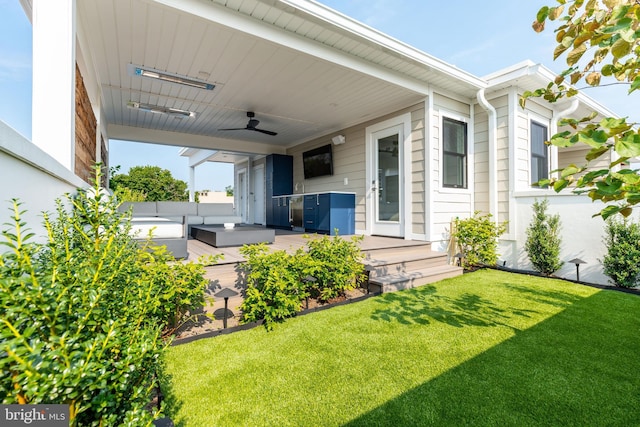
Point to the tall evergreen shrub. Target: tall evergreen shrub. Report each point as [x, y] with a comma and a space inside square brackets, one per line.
[622, 261]
[543, 239]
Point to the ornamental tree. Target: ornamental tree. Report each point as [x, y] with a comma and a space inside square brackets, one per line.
[600, 41]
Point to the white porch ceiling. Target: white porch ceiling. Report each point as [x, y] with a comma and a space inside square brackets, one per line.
[302, 75]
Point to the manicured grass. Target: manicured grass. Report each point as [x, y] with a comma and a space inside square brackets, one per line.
[487, 348]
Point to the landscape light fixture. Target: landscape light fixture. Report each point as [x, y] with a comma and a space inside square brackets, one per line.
[577, 262]
[171, 78]
[226, 293]
[156, 109]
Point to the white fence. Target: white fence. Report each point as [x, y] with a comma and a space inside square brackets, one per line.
[33, 177]
[582, 236]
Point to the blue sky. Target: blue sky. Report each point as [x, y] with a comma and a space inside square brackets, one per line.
[477, 36]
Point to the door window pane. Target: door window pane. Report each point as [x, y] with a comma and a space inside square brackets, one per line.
[388, 179]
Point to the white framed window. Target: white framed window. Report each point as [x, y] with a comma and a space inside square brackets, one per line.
[539, 134]
[454, 153]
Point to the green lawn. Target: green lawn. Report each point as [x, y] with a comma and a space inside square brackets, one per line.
[486, 348]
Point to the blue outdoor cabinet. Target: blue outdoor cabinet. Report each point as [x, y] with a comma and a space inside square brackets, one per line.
[279, 182]
[326, 212]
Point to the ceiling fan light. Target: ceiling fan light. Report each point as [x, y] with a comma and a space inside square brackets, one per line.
[167, 77]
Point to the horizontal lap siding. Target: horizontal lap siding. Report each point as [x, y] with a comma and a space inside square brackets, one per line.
[447, 203]
[349, 162]
[418, 211]
[502, 107]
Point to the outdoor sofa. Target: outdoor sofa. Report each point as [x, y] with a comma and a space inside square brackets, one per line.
[170, 222]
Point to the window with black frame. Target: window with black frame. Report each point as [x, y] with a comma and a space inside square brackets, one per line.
[539, 152]
[454, 136]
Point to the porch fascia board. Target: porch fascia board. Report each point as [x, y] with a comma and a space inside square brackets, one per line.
[228, 18]
[130, 133]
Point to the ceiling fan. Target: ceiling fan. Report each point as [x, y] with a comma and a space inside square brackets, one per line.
[252, 125]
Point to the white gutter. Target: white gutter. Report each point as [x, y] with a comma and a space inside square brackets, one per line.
[493, 153]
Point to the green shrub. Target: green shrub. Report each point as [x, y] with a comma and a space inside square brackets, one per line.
[622, 261]
[279, 282]
[83, 314]
[339, 266]
[275, 289]
[477, 238]
[543, 239]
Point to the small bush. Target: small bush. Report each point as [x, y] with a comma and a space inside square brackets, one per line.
[339, 265]
[622, 261]
[278, 282]
[543, 239]
[275, 289]
[477, 238]
[83, 314]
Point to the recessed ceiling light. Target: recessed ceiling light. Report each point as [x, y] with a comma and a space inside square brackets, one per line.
[168, 77]
[156, 109]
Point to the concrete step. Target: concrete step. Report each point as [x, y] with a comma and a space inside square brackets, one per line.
[412, 279]
[403, 263]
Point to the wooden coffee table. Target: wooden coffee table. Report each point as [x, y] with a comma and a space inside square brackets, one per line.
[221, 237]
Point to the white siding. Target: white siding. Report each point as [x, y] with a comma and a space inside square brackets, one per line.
[349, 163]
[449, 203]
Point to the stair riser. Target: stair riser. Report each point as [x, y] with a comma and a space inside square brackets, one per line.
[380, 253]
[405, 267]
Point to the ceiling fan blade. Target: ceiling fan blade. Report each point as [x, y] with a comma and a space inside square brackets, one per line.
[234, 129]
[268, 132]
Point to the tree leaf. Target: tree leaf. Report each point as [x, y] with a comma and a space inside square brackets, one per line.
[570, 170]
[635, 85]
[562, 140]
[574, 56]
[555, 12]
[609, 211]
[537, 26]
[620, 48]
[542, 14]
[593, 79]
[560, 185]
[628, 145]
[559, 50]
[595, 153]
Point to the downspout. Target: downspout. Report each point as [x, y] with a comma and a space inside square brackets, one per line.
[493, 153]
[557, 115]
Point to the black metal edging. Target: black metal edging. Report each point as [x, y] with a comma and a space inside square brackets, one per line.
[247, 326]
[538, 274]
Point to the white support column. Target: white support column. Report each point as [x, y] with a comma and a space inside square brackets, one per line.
[192, 183]
[54, 75]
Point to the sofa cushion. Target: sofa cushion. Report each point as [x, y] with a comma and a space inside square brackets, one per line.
[191, 219]
[215, 209]
[161, 228]
[139, 208]
[176, 208]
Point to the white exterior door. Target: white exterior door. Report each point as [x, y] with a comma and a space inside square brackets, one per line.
[386, 177]
[241, 194]
[258, 195]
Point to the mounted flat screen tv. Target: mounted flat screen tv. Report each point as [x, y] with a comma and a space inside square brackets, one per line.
[318, 162]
